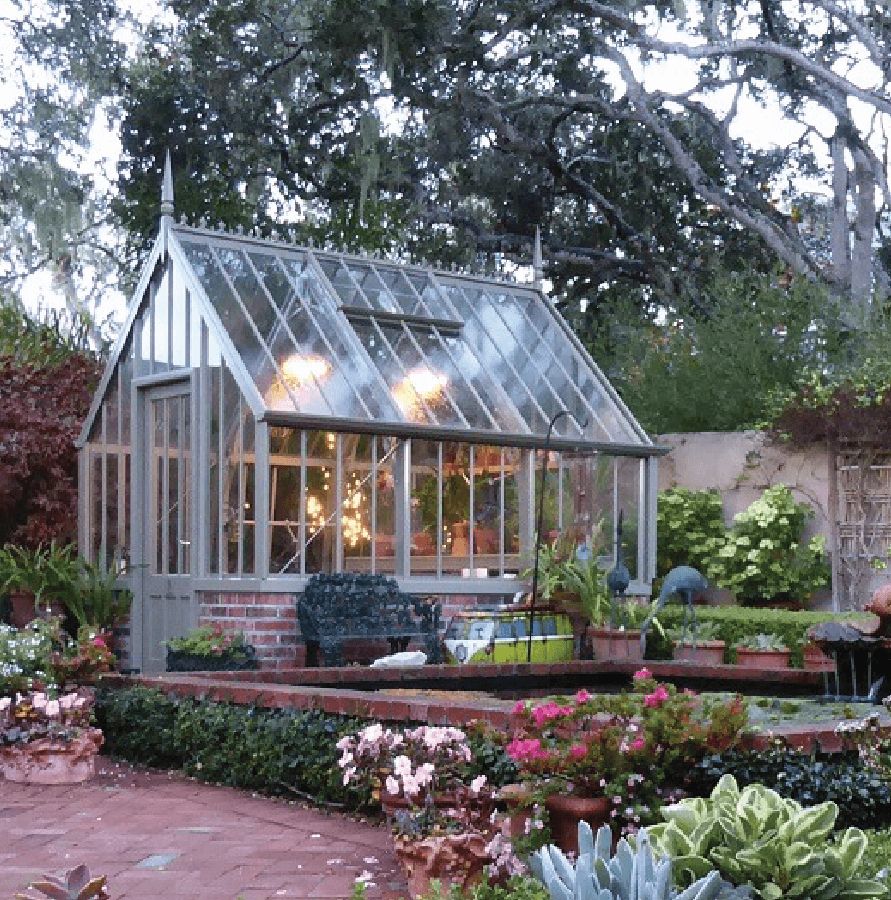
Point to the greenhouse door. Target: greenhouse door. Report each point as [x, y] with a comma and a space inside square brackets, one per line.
[169, 608]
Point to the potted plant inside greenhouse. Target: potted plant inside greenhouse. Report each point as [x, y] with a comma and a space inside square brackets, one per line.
[209, 648]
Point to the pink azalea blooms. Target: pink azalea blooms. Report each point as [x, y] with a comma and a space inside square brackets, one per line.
[548, 711]
[639, 744]
[642, 674]
[657, 698]
[520, 708]
[578, 750]
[98, 642]
[582, 696]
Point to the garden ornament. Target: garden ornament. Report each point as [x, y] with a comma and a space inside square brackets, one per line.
[618, 578]
[686, 582]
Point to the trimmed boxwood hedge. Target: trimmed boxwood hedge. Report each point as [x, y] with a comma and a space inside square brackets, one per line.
[273, 751]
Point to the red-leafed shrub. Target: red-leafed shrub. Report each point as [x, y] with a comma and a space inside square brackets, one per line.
[42, 409]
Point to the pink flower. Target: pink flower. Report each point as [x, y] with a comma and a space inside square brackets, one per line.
[520, 708]
[657, 698]
[548, 711]
[98, 642]
[582, 696]
[642, 674]
[639, 744]
[578, 750]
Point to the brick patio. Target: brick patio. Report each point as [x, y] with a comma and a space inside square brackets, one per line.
[159, 834]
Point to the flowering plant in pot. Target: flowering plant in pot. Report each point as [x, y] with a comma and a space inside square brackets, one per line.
[48, 739]
[625, 750]
[442, 819]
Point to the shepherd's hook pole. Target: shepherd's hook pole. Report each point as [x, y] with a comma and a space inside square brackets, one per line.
[544, 471]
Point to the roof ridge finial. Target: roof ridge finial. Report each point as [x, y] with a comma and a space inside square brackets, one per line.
[537, 264]
[167, 187]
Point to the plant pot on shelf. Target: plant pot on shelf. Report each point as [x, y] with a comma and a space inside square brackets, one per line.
[565, 811]
[457, 861]
[614, 644]
[51, 761]
[21, 608]
[703, 653]
[763, 659]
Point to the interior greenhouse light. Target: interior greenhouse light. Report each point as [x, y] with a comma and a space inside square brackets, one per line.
[421, 383]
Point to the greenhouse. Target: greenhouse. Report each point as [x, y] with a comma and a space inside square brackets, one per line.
[272, 411]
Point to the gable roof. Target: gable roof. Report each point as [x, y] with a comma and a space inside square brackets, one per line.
[333, 340]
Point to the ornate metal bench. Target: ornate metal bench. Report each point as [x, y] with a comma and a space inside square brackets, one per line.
[339, 607]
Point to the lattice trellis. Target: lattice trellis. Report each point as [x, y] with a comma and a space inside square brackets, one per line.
[863, 523]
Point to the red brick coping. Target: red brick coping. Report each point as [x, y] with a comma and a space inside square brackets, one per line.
[394, 695]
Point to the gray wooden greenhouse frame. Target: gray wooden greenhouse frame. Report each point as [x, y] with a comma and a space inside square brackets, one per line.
[269, 411]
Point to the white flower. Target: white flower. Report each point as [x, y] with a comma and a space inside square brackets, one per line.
[411, 786]
[424, 775]
[345, 743]
[477, 784]
[345, 760]
[5, 703]
[392, 785]
[348, 774]
[402, 766]
[53, 709]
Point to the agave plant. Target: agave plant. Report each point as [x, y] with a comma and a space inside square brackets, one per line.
[77, 885]
[627, 875]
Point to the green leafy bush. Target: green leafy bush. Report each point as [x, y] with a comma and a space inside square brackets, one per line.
[690, 529]
[764, 558]
[273, 751]
[862, 794]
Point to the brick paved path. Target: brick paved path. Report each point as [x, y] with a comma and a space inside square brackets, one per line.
[158, 834]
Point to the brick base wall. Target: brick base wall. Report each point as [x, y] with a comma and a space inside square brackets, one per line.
[269, 622]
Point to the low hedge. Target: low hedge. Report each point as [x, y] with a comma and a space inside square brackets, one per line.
[272, 751]
[863, 794]
[734, 623]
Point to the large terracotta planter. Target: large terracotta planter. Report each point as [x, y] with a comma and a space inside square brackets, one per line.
[47, 761]
[703, 653]
[455, 860]
[763, 659]
[565, 811]
[612, 643]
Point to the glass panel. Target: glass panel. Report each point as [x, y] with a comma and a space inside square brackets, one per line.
[248, 505]
[438, 360]
[112, 502]
[588, 504]
[385, 503]
[127, 476]
[159, 492]
[126, 367]
[233, 319]
[144, 358]
[511, 532]
[401, 291]
[321, 501]
[491, 359]
[373, 288]
[487, 508]
[214, 478]
[233, 490]
[161, 310]
[96, 516]
[628, 472]
[355, 515]
[173, 511]
[342, 283]
[185, 562]
[284, 500]
[550, 512]
[179, 335]
[424, 507]
[456, 506]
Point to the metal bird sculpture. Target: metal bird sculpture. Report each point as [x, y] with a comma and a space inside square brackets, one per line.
[618, 578]
[686, 582]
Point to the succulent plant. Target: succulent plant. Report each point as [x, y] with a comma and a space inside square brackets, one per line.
[754, 836]
[77, 886]
[628, 875]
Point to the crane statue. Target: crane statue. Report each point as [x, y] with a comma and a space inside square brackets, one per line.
[686, 582]
[618, 578]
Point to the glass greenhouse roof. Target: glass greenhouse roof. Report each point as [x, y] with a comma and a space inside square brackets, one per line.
[325, 335]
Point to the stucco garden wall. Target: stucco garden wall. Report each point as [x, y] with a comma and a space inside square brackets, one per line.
[741, 466]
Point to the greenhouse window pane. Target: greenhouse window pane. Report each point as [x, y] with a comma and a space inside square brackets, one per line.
[342, 283]
[401, 289]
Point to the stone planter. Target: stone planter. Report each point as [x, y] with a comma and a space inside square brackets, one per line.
[47, 761]
[703, 653]
[457, 861]
[763, 659]
[614, 644]
[231, 660]
[565, 811]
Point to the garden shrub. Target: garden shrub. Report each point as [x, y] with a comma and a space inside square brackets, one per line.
[272, 751]
[862, 794]
[690, 529]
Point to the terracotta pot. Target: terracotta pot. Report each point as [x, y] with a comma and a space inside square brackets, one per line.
[21, 608]
[704, 653]
[763, 659]
[611, 643]
[455, 860]
[47, 761]
[815, 660]
[565, 811]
